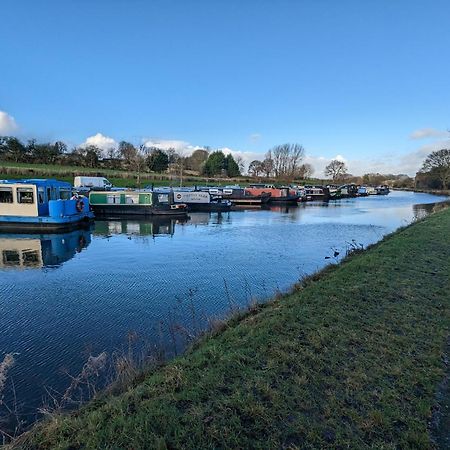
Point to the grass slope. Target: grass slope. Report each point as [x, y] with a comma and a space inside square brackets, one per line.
[350, 360]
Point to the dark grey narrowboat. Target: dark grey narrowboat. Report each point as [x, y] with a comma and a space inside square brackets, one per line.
[136, 203]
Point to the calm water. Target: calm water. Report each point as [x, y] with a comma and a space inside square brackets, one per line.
[63, 297]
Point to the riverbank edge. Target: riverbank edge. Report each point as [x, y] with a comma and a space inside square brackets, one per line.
[303, 370]
[443, 192]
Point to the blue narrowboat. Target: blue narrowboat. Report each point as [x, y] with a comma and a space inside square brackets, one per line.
[36, 204]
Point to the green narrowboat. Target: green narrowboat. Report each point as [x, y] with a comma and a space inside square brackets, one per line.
[135, 203]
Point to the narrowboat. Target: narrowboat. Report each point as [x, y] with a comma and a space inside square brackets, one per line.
[382, 190]
[348, 190]
[314, 193]
[38, 204]
[198, 201]
[132, 203]
[277, 194]
[239, 196]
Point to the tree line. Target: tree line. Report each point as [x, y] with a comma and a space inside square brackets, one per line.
[283, 162]
[435, 171]
[125, 156]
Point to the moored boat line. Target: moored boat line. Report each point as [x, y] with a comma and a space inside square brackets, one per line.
[36, 204]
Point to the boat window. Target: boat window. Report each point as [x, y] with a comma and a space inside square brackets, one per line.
[6, 195]
[131, 199]
[11, 258]
[65, 194]
[25, 195]
[163, 198]
[30, 257]
[113, 198]
[41, 196]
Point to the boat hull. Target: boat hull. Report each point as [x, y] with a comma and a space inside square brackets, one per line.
[315, 198]
[14, 224]
[138, 210]
[292, 199]
[209, 207]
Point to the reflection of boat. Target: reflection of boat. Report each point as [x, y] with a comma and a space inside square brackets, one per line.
[35, 205]
[143, 227]
[40, 250]
[132, 203]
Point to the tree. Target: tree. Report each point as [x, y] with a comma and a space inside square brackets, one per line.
[268, 164]
[256, 168]
[89, 155]
[240, 162]
[231, 166]
[336, 169]
[374, 178]
[438, 163]
[12, 149]
[197, 160]
[157, 160]
[128, 153]
[286, 159]
[305, 171]
[46, 153]
[215, 164]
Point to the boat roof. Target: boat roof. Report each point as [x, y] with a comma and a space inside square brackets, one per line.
[39, 182]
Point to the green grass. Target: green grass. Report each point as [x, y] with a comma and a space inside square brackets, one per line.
[350, 359]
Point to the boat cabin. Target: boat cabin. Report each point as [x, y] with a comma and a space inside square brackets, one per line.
[30, 198]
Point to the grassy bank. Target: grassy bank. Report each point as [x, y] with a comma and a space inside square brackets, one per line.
[119, 178]
[351, 359]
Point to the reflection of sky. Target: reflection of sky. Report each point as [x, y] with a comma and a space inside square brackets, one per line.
[132, 281]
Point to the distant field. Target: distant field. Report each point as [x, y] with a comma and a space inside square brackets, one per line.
[120, 178]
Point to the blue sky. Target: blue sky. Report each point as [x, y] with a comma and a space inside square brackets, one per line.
[351, 78]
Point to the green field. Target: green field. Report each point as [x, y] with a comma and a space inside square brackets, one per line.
[119, 178]
[352, 358]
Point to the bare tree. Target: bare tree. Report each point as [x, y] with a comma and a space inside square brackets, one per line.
[305, 171]
[336, 169]
[286, 159]
[240, 163]
[438, 162]
[268, 164]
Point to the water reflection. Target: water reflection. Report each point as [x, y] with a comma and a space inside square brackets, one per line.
[33, 251]
[137, 227]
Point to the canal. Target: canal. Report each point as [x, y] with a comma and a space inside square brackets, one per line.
[65, 297]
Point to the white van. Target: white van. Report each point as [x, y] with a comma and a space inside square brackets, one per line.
[92, 184]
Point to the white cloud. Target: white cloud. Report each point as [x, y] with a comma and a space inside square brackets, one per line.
[408, 163]
[8, 124]
[166, 144]
[104, 143]
[424, 133]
